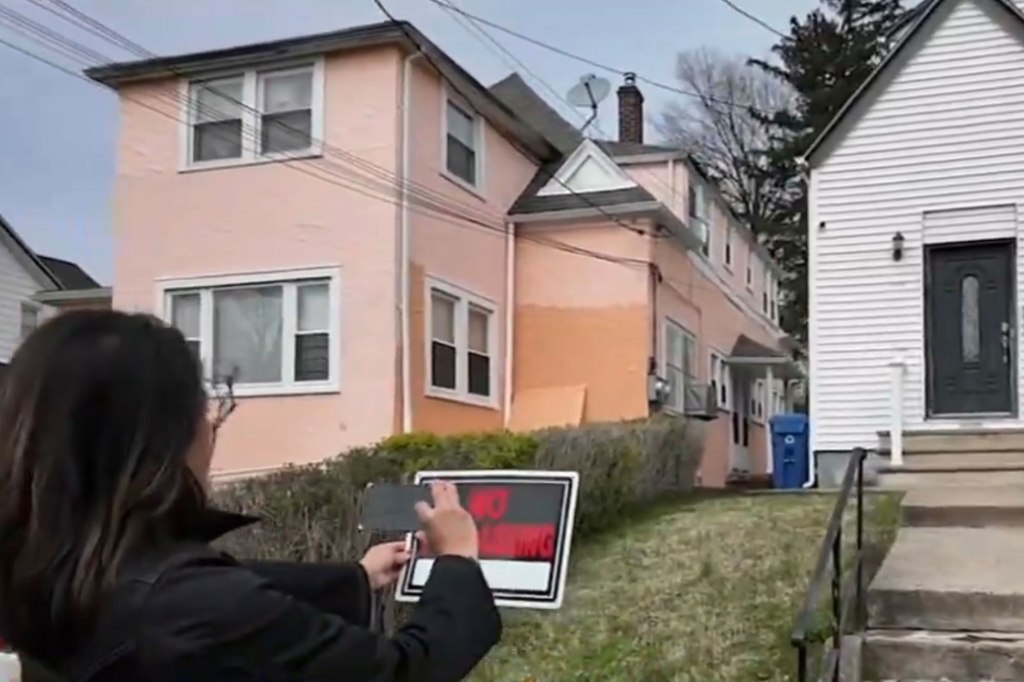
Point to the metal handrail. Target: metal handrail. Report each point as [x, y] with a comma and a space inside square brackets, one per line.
[830, 566]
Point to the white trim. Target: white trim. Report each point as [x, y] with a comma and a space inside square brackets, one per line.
[722, 378]
[663, 360]
[476, 188]
[463, 300]
[205, 285]
[36, 310]
[559, 184]
[250, 115]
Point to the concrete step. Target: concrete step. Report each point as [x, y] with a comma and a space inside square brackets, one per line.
[961, 461]
[947, 656]
[964, 507]
[950, 579]
[959, 440]
[912, 479]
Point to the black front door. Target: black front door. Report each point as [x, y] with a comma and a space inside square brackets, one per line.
[969, 304]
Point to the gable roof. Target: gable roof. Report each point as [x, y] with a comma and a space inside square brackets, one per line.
[69, 275]
[398, 33]
[923, 13]
[27, 257]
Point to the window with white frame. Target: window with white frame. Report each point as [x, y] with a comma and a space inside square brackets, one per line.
[774, 300]
[750, 269]
[462, 143]
[728, 245]
[269, 335]
[29, 320]
[720, 378]
[757, 400]
[462, 346]
[700, 215]
[255, 114]
[679, 349]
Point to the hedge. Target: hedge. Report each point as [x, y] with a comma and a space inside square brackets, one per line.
[310, 513]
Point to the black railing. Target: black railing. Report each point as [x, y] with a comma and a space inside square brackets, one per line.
[814, 625]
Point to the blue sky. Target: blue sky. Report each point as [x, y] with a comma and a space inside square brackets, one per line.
[59, 133]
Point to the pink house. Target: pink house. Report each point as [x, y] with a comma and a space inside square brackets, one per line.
[372, 242]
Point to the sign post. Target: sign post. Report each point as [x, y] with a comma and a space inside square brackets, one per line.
[525, 520]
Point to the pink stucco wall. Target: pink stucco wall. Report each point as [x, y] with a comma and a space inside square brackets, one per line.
[465, 254]
[170, 224]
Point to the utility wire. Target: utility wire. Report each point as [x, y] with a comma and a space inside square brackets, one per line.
[335, 179]
[587, 60]
[754, 18]
[331, 178]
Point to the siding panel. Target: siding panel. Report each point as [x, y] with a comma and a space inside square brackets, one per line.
[937, 156]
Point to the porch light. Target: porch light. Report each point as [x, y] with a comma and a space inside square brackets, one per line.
[897, 246]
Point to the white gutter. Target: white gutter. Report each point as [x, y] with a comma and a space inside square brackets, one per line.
[405, 330]
[510, 291]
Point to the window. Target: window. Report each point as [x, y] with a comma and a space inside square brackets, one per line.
[757, 400]
[271, 335]
[255, 115]
[699, 216]
[462, 346]
[750, 269]
[774, 301]
[728, 246]
[970, 328]
[29, 320]
[766, 291]
[679, 348]
[720, 378]
[462, 137]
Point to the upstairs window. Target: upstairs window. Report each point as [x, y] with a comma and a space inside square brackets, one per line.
[728, 246]
[699, 215]
[255, 115]
[766, 292]
[462, 143]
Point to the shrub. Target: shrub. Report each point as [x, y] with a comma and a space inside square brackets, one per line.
[311, 513]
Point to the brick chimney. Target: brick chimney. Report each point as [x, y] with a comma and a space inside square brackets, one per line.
[631, 111]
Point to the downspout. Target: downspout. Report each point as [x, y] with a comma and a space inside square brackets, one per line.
[510, 303]
[405, 331]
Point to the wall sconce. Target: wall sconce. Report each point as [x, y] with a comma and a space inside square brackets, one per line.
[897, 246]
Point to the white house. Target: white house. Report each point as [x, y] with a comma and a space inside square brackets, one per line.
[915, 224]
[33, 286]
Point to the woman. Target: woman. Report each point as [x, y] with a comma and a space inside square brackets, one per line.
[106, 573]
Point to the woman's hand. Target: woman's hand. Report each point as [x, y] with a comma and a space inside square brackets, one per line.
[447, 527]
[383, 563]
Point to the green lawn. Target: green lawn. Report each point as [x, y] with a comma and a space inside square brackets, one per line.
[702, 591]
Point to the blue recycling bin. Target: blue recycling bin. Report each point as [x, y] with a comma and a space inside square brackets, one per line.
[790, 442]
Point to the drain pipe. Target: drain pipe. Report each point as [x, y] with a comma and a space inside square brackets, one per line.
[405, 330]
[510, 291]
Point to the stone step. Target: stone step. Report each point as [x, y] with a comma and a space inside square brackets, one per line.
[950, 579]
[959, 440]
[947, 656]
[912, 479]
[964, 507]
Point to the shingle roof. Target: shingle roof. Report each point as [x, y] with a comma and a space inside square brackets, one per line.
[70, 275]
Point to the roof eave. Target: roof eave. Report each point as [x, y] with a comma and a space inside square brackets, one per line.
[811, 156]
[635, 208]
[74, 295]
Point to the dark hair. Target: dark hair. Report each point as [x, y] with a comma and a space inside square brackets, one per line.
[98, 412]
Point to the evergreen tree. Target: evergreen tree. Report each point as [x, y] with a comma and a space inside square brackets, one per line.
[824, 59]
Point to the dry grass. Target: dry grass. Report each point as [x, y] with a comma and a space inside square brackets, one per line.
[705, 591]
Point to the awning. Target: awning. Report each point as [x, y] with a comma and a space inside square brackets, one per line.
[747, 352]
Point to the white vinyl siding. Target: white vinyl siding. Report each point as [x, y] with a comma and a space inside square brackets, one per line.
[17, 286]
[944, 135]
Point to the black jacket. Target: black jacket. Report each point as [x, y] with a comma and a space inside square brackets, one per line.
[184, 611]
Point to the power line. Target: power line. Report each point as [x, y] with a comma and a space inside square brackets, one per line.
[587, 60]
[333, 178]
[757, 20]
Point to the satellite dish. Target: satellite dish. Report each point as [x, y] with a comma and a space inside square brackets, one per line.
[587, 94]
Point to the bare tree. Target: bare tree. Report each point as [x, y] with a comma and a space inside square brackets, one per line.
[725, 126]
